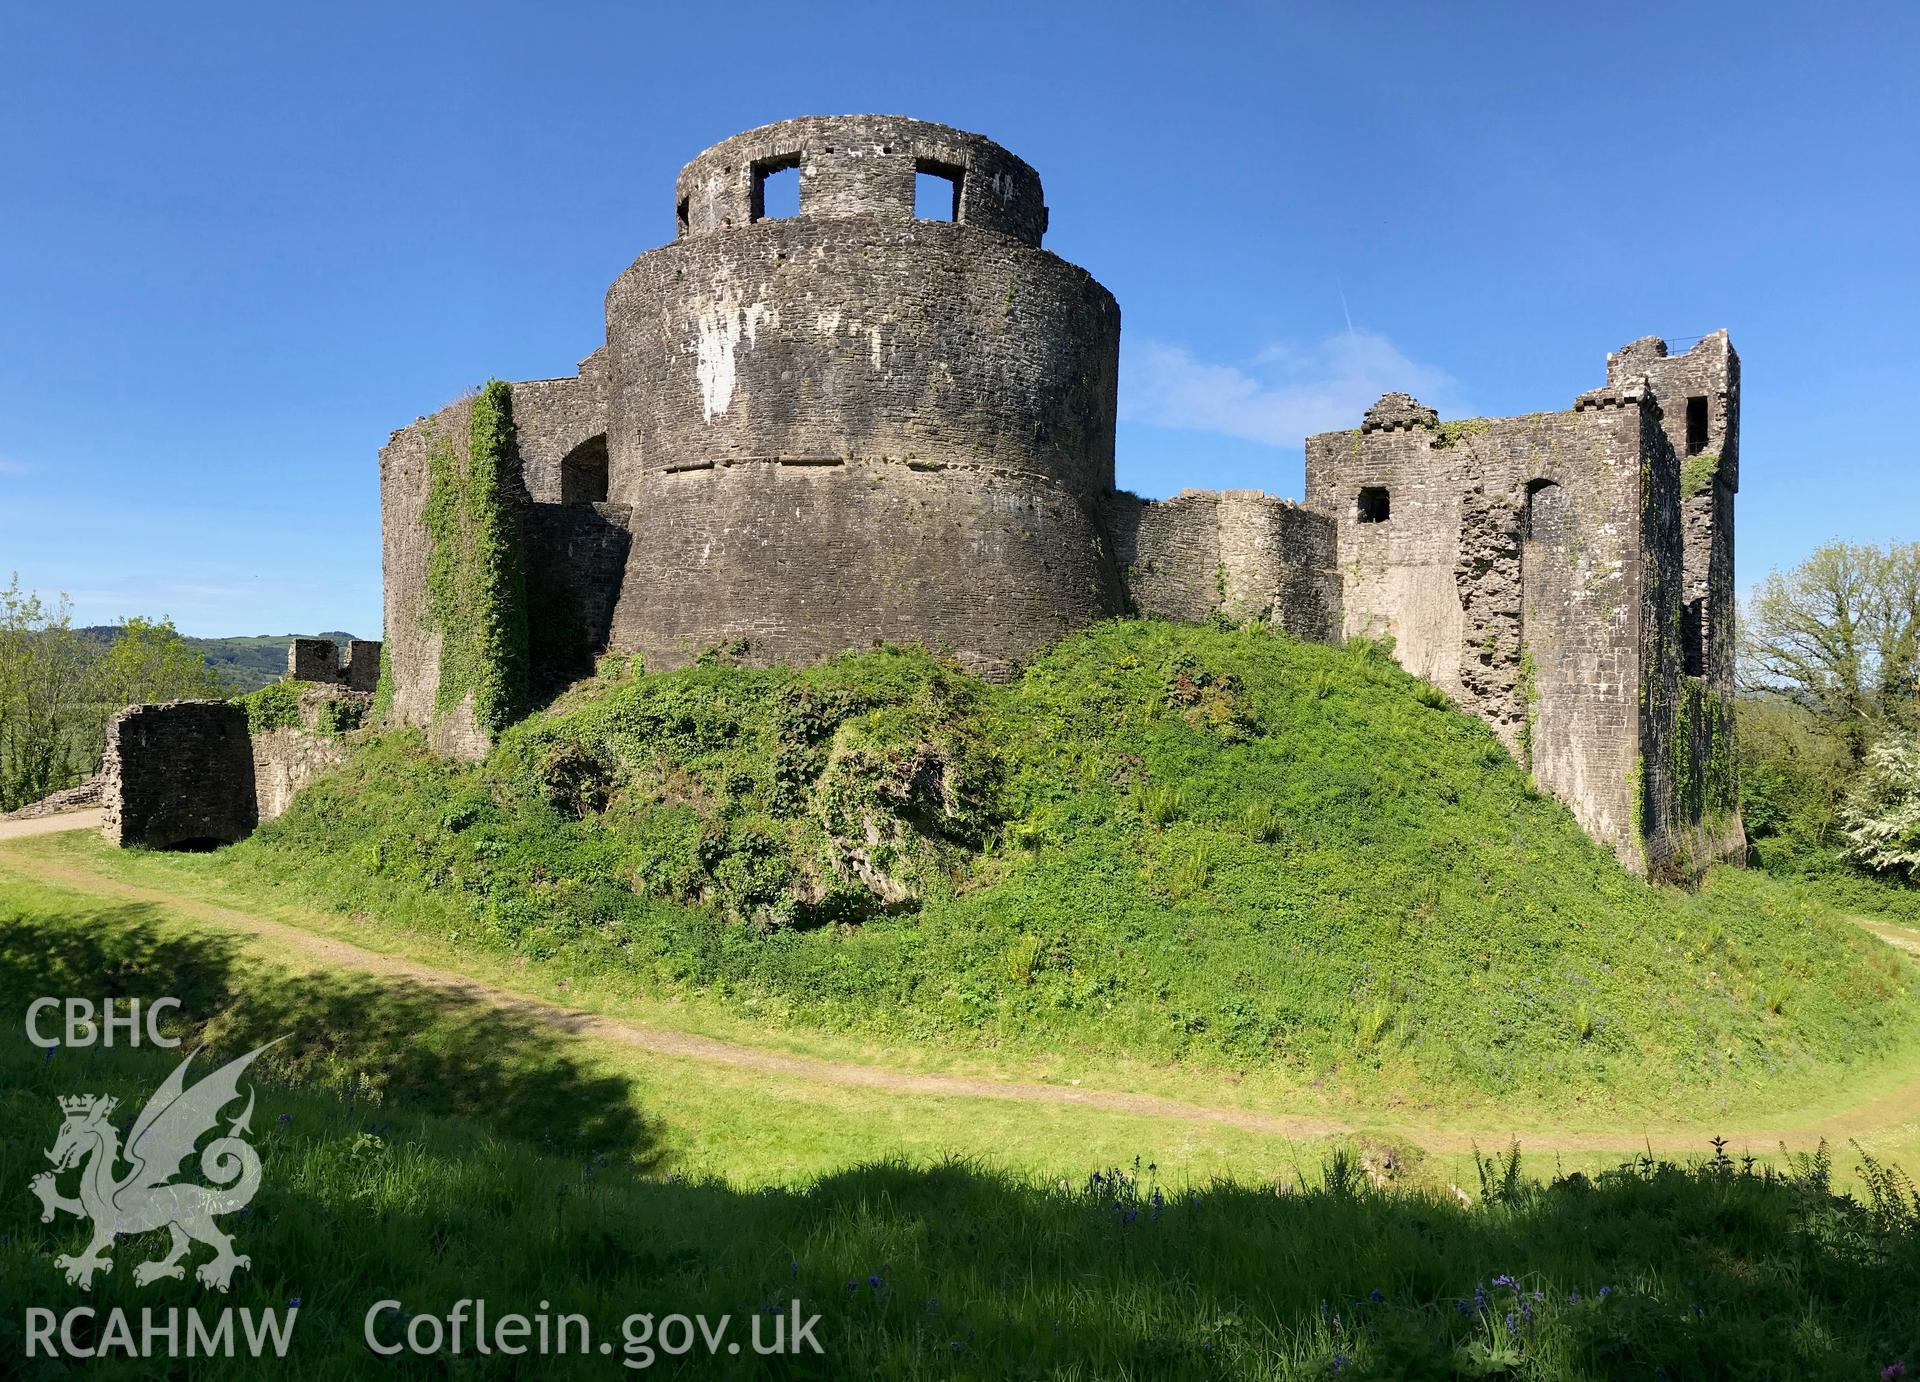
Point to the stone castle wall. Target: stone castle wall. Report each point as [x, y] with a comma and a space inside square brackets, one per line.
[847, 425]
[191, 773]
[1699, 393]
[576, 558]
[1503, 557]
[178, 774]
[1241, 553]
[1536, 568]
[561, 430]
[412, 644]
[851, 425]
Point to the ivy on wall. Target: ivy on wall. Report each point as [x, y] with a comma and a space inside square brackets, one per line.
[1697, 474]
[382, 711]
[476, 582]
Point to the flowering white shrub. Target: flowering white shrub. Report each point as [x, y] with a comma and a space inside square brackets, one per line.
[1882, 815]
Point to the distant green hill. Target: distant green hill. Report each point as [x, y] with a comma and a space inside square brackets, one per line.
[246, 664]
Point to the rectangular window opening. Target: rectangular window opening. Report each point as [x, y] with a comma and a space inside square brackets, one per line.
[1696, 425]
[936, 190]
[680, 216]
[776, 189]
[1372, 505]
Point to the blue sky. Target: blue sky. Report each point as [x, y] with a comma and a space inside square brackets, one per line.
[239, 245]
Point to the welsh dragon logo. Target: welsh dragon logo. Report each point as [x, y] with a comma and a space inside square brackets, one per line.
[143, 1199]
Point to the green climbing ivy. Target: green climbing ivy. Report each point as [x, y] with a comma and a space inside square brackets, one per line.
[1447, 434]
[476, 581]
[1697, 474]
[271, 707]
[383, 688]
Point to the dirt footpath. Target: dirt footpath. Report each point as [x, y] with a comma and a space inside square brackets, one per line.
[51, 825]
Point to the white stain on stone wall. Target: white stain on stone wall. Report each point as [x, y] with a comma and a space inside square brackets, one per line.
[722, 322]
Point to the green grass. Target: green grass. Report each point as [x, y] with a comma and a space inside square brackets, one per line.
[430, 1148]
[1179, 847]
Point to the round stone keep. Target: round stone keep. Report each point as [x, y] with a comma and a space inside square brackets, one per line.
[855, 423]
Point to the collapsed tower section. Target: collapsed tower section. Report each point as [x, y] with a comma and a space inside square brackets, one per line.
[1568, 578]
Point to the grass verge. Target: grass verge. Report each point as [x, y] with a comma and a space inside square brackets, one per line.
[428, 1150]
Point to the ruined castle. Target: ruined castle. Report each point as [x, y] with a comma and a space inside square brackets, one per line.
[860, 422]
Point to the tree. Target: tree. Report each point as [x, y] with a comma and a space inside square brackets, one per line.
[1840, 634]
[43, 695]
[147, 661]
[1794, 774]
[1882, 815]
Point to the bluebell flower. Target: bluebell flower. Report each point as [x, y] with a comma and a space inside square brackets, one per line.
[1504, 1280]
[1605, 1291]
[1376, 1295]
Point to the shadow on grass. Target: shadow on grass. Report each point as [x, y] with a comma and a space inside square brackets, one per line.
[497, 1169]
[396, 1043]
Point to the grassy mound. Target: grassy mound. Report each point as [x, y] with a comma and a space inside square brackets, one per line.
[1176, 843]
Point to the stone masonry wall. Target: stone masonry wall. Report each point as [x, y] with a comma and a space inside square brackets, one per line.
[178, 774]
[1502, 557]
[1538, 569]
[560, 424]
[313, 659]
[191, 773]
[1710, 471]
[853, 425]
[363, 664]
[284, 761]
[412, 645]
[1240, 552]
[576, 556]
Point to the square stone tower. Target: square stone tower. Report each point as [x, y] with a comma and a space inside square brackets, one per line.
[1568, 578]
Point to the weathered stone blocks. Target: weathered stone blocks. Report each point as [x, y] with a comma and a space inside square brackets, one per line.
[1537, 569]
[313, 659]
[178, 774]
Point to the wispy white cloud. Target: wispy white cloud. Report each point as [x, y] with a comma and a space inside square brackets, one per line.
[1280, 396]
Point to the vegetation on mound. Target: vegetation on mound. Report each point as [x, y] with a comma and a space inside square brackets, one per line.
[433, 1148]
[1167, 842]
